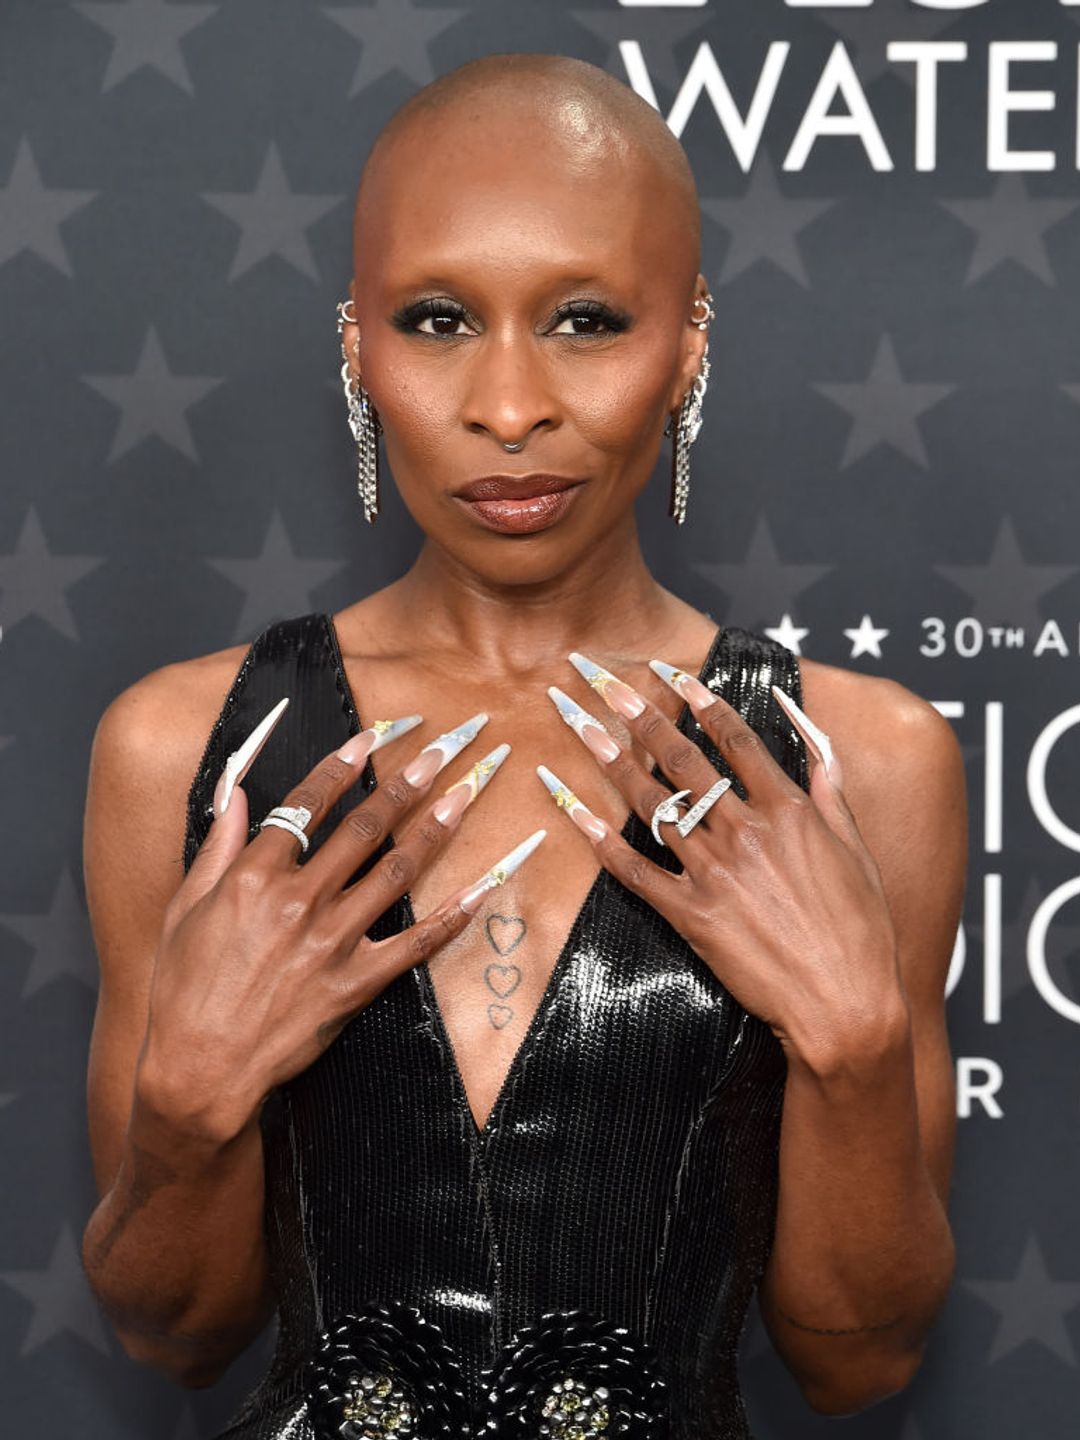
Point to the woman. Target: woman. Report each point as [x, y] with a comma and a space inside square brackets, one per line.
[523, 1159]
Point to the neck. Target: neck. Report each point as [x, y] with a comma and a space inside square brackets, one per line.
[516, 628]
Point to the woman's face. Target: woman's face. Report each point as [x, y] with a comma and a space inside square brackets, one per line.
[518, 283]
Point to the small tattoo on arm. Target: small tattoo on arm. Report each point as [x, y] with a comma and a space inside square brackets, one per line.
[150, 1173]
[504, 934]
[851, 1330]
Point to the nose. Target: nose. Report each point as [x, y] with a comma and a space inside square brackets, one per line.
[510, 395]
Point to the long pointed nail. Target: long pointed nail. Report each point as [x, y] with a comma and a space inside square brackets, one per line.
[500, 872]
[438, 753]
[380, 733]
[687, 687]
[817, 742]
[459, 796]
[585, 726]
[564, 797]
[241, 760]
[613, 691]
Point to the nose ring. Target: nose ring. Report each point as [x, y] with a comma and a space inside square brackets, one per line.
[515, 447]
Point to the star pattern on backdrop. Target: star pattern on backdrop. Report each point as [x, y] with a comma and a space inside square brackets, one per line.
[146, 32]
[61, 1299]
[395, 35]
[764, 224]
[32, 212]
[866, 638]
[1010, 224]
[867, 34]
[885, 408]
[1031, 1307]
[1008, 588]
[153, 400]
[273, 218]
[60, 938]
[657, 33]
[788, 634]
[762, 583]
[277, 583]
[34, 580]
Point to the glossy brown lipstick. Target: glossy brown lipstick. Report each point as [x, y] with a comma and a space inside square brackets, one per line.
[519, 504]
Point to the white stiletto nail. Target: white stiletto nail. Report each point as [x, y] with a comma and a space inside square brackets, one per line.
[564, 797]
[586, 727]
[379, 733]
[500, 872]
[614, 692]
[817, 742]
[241, 760]
[438, 753]
[458, 797]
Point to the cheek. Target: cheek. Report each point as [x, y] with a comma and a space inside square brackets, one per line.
[618, 405]
[418, 403]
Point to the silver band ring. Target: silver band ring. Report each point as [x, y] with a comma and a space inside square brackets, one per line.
[292, 818]
[667, 813]
[701, 808]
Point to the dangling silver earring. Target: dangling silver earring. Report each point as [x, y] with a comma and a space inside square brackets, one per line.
[686, 425]
[363, 422]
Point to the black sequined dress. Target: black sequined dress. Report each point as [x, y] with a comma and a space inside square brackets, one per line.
[581, 1267]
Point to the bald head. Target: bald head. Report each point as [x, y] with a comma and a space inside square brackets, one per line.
[579, 114]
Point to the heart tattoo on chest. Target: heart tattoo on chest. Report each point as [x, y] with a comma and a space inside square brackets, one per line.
[502, 980]
[504, 932]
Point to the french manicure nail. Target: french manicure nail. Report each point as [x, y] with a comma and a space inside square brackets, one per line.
[613, 691]
[500, 872]
[817, 742]
[380, 733]
[241, 760]
[438, 753]
[687, 687]
[458, 797]
[564, 797]
[585, 726]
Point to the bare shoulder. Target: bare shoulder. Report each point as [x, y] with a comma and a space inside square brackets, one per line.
[147, 747]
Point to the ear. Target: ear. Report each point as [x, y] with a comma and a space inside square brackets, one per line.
[350, 336]
[693, 345]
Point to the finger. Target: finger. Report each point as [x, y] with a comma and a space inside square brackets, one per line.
[678, 757]
[739, 743]
[360, 833]
[395, 873]
[817, 742]
[658, 887]
[324, 785]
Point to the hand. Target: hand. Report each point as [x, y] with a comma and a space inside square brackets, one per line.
[779, 895]
[262, 960]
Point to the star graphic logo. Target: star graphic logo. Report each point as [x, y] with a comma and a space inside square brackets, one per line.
[1031, 1307]
[273, 219]
[788, 634]
[152, 400]
[866, 639]
[145, 32]
[35, 581]
[394, 35]
[60, 939]
[764, 225]
[31, 213]
[1007, 588]
[60, 1298]
[277, 583]
[762, 583]
[885, 409]
[1010, 224]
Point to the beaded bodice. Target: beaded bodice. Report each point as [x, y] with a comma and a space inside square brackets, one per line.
[579, 1267]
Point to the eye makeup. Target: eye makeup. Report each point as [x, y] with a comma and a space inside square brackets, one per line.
[442, 309]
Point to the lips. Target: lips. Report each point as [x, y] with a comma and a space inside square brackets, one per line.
[515, 487]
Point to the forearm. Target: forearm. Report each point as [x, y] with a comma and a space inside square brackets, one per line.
[863, 1254]
[175, 1250]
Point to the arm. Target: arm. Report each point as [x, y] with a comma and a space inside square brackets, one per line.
[863, 1254]
[216, 988]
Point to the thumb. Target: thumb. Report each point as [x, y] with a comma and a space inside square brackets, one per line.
[225, 839]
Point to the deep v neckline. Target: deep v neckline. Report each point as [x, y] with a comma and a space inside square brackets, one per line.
[422, 971]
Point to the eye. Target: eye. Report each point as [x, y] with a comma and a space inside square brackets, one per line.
[588, 318]
[441, 318]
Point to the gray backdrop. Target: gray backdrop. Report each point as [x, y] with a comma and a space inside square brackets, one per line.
[886, 476]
